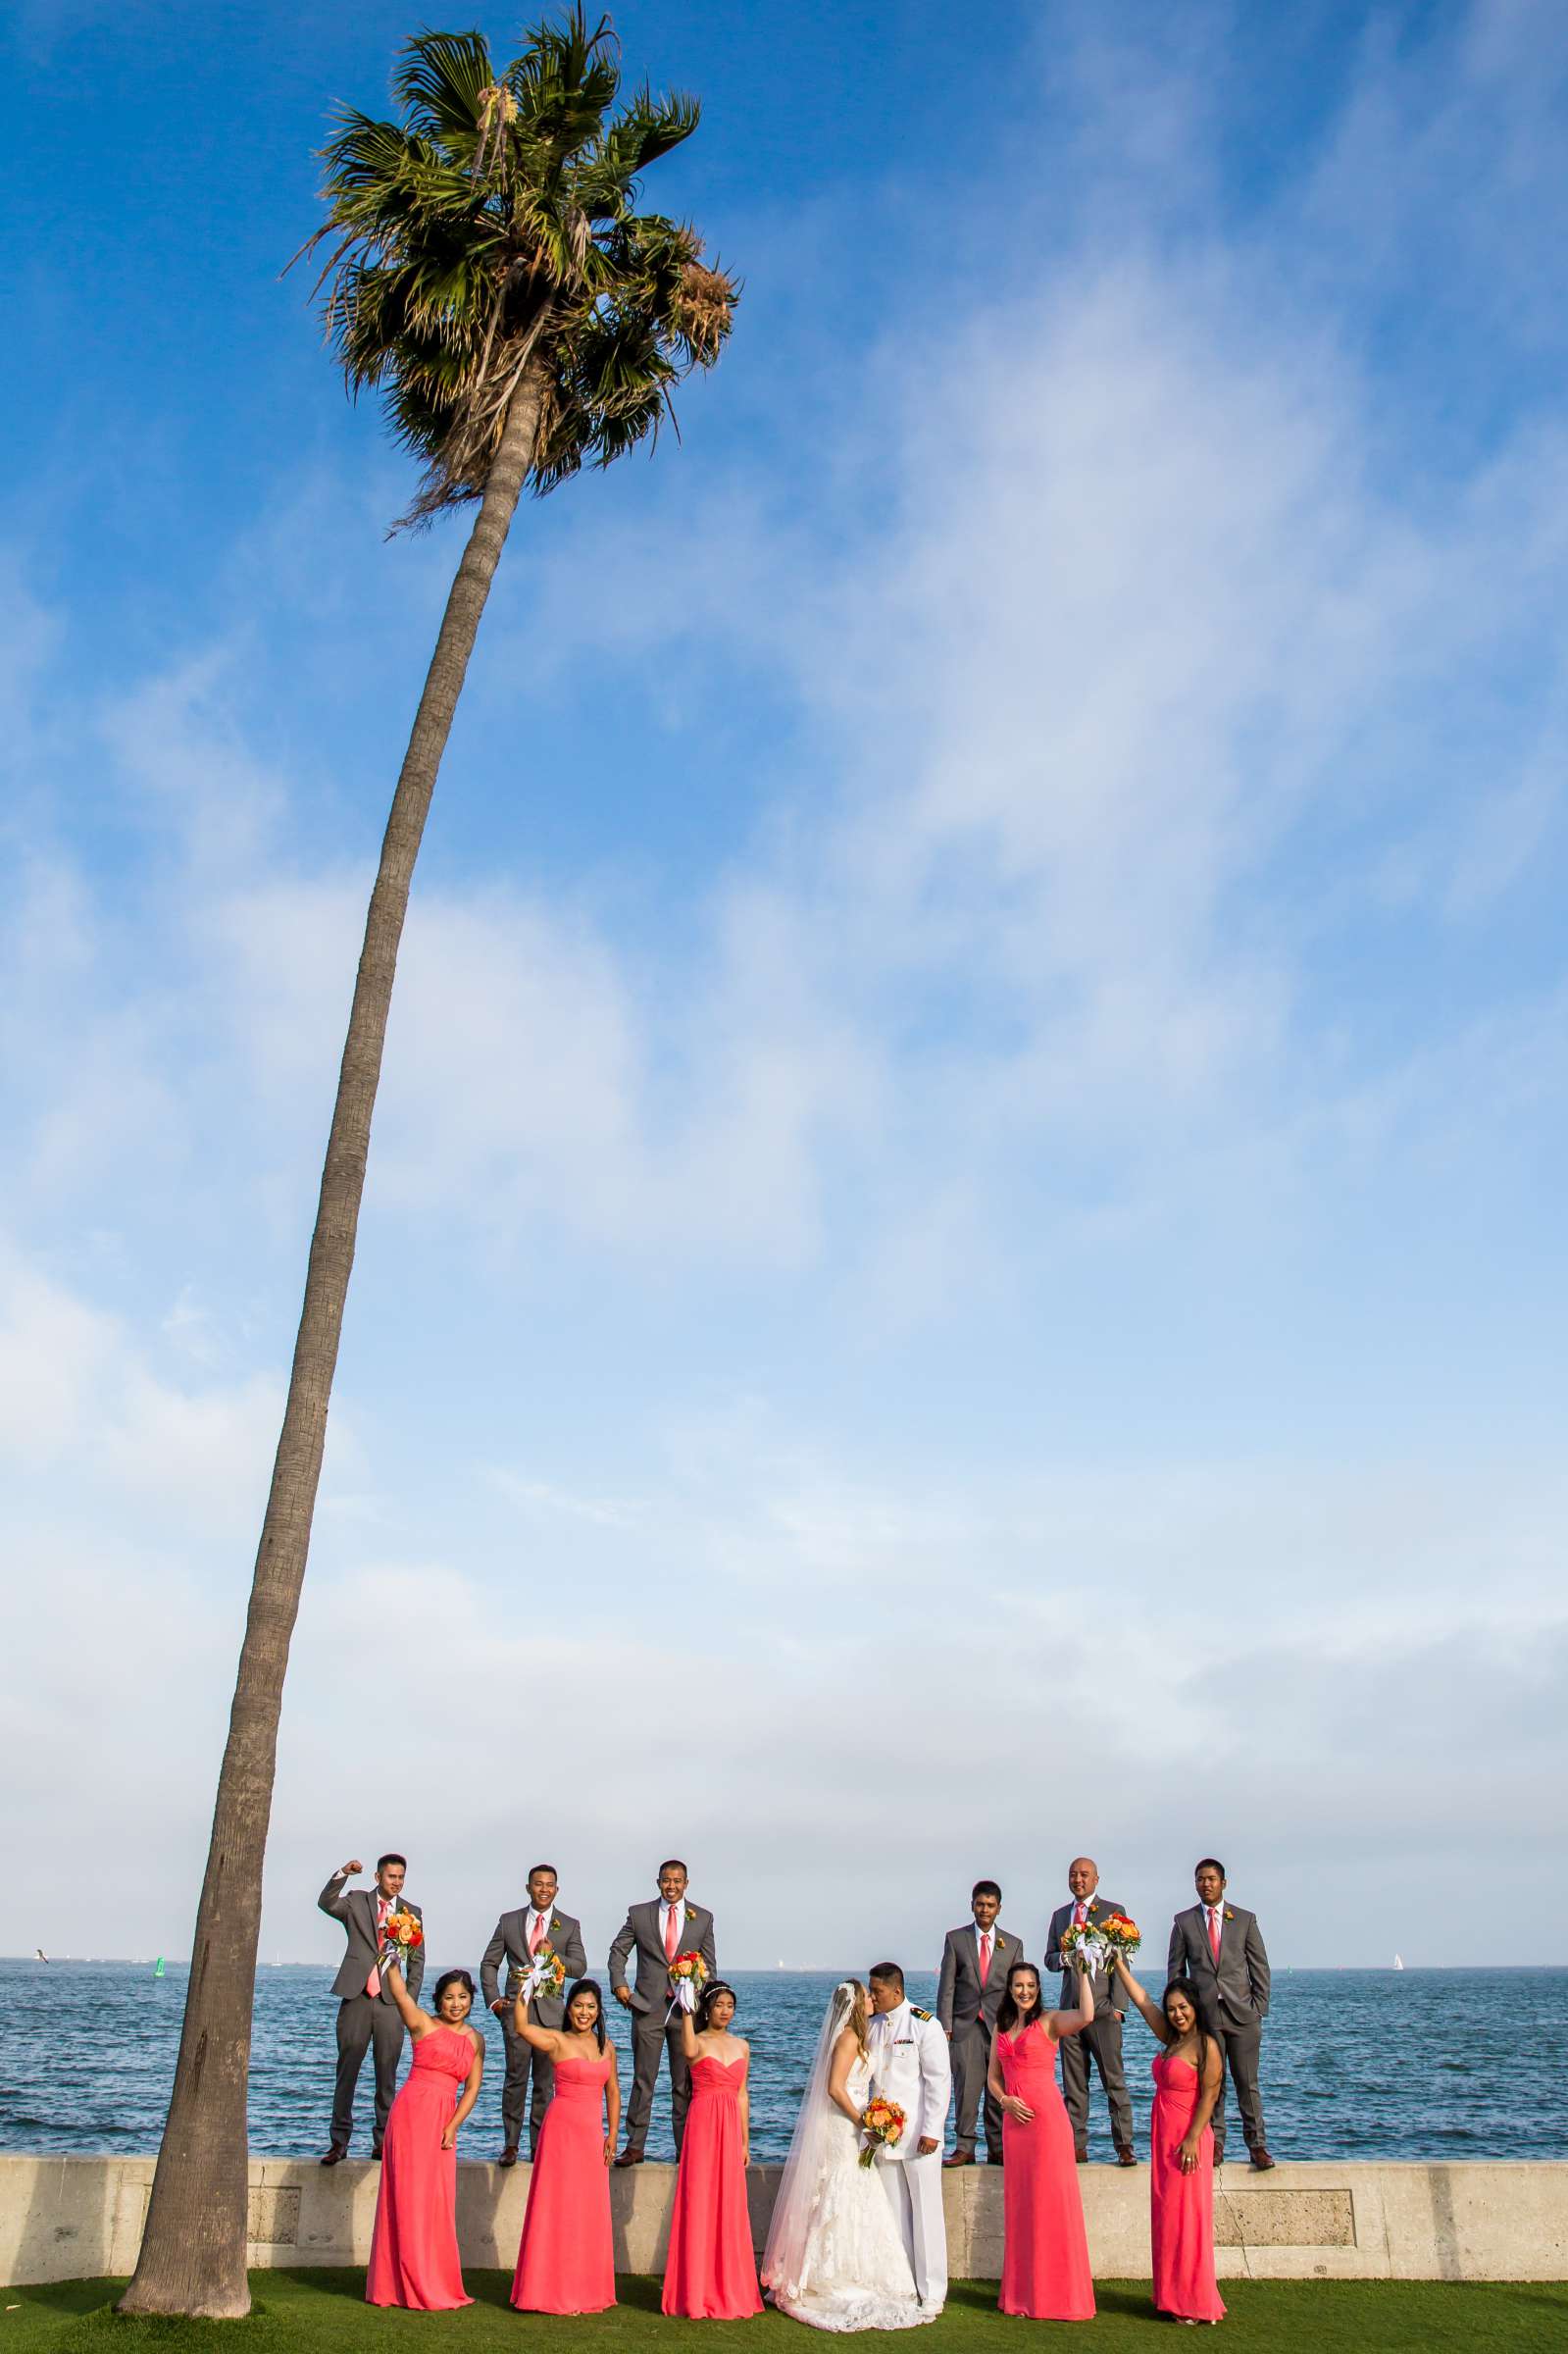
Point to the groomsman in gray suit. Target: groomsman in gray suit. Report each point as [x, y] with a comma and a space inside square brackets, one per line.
[1103, 2040]
[367, 2016]
[975, 1960]
[518, 1937]
[1220, 1948]
[656, 1933]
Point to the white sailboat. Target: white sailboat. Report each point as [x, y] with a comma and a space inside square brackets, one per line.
[1399, 1961]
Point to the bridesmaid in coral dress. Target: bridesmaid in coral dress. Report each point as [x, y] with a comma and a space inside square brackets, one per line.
[711, 2273]
[1189, 2076]
[566, 2259]
[1045, 2274]
[414, 2258]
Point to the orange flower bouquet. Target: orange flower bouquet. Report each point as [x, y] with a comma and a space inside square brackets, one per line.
[1121, 1935]
[400, 1934]
[883, 2125]
[689, 1974]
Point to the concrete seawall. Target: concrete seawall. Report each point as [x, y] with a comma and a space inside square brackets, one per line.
[65, 2218]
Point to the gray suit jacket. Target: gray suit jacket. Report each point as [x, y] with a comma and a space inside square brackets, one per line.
[959, 2001]
[1236, 1993]
[650, 1988]
[511, 1940]
[355, 1908]
[1104, 1984]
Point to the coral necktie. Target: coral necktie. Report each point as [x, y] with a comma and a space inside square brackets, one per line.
[670, 1934]
[984, 1959]
[535, 1934]
[1214, 1932]
[373, 1985]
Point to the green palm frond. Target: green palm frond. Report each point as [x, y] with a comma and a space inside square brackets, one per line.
[494, 230]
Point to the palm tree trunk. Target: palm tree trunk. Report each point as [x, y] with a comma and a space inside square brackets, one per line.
[193, 2249]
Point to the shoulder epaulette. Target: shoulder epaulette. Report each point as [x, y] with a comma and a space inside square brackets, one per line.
[919, 2014]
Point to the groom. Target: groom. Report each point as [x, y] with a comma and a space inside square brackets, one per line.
[909, 2065]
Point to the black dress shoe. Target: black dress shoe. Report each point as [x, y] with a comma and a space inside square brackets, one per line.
[1081, 2157]
[1261, 2160]
[629, 2158]
[336, 2154]
[508, 2156]
[376, 2147]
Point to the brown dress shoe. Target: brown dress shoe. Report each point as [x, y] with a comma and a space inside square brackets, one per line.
[629, 2158]
[336, 2155]
[960, 2158]
[508, 2156]
[1261, 2160]
[1125, 2154]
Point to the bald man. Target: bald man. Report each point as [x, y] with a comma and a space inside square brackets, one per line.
[1103, 2040]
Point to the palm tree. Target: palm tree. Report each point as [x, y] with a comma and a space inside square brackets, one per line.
[488, 271]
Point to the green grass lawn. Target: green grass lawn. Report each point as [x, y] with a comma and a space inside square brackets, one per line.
[308, 2310]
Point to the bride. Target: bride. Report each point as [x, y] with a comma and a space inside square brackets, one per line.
[836, 2256]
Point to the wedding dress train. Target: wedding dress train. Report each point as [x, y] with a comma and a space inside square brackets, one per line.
[836, 2257]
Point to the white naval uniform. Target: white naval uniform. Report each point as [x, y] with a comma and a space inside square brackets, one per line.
[910, 2065]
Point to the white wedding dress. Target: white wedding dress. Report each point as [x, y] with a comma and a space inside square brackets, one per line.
[835, 2257]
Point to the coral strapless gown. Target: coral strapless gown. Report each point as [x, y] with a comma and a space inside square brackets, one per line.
[566, 2259]
[1181, 2206]
[1046, 2270]
[414, 2258]
[711, 2274]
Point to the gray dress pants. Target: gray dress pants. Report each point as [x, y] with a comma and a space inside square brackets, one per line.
[649, 2038]
[522, 2062]
[361, 2023]
[1101, 2043]
[970, 2052]
[1242, 2047]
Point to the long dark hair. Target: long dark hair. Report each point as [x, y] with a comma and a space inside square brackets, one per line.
[1008, 2016]
[709, 1996]
[585, 1986]
[1187, 1987]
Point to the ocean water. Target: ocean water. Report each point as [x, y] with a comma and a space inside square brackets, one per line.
[1419, 2063]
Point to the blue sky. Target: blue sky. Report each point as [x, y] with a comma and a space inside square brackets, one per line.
[976, 1101]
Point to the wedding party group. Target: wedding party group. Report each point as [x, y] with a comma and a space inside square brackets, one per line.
[857, 2239]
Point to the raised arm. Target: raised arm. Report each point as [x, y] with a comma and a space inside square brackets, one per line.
[1073, 2022]
[1157, 2022]
[544, 2039]
[490, 1969]
[418, 2023]
[1257, 1967]
[332, 1899]
[689, 2036]
[471, 2093]
[946, 1985]
[416, 1960]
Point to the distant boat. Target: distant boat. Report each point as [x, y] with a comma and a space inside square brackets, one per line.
[38, 1954]
[157, 1967]
[1399, 1961]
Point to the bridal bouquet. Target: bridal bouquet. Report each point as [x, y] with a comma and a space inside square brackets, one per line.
[1085, 1947]
[689, 1974]
[883, 2125]
[400, 1934]
[1120, 1935]
[545, 1975]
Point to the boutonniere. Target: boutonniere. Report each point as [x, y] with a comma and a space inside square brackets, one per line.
[555, 1920]
[1228, 1914]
